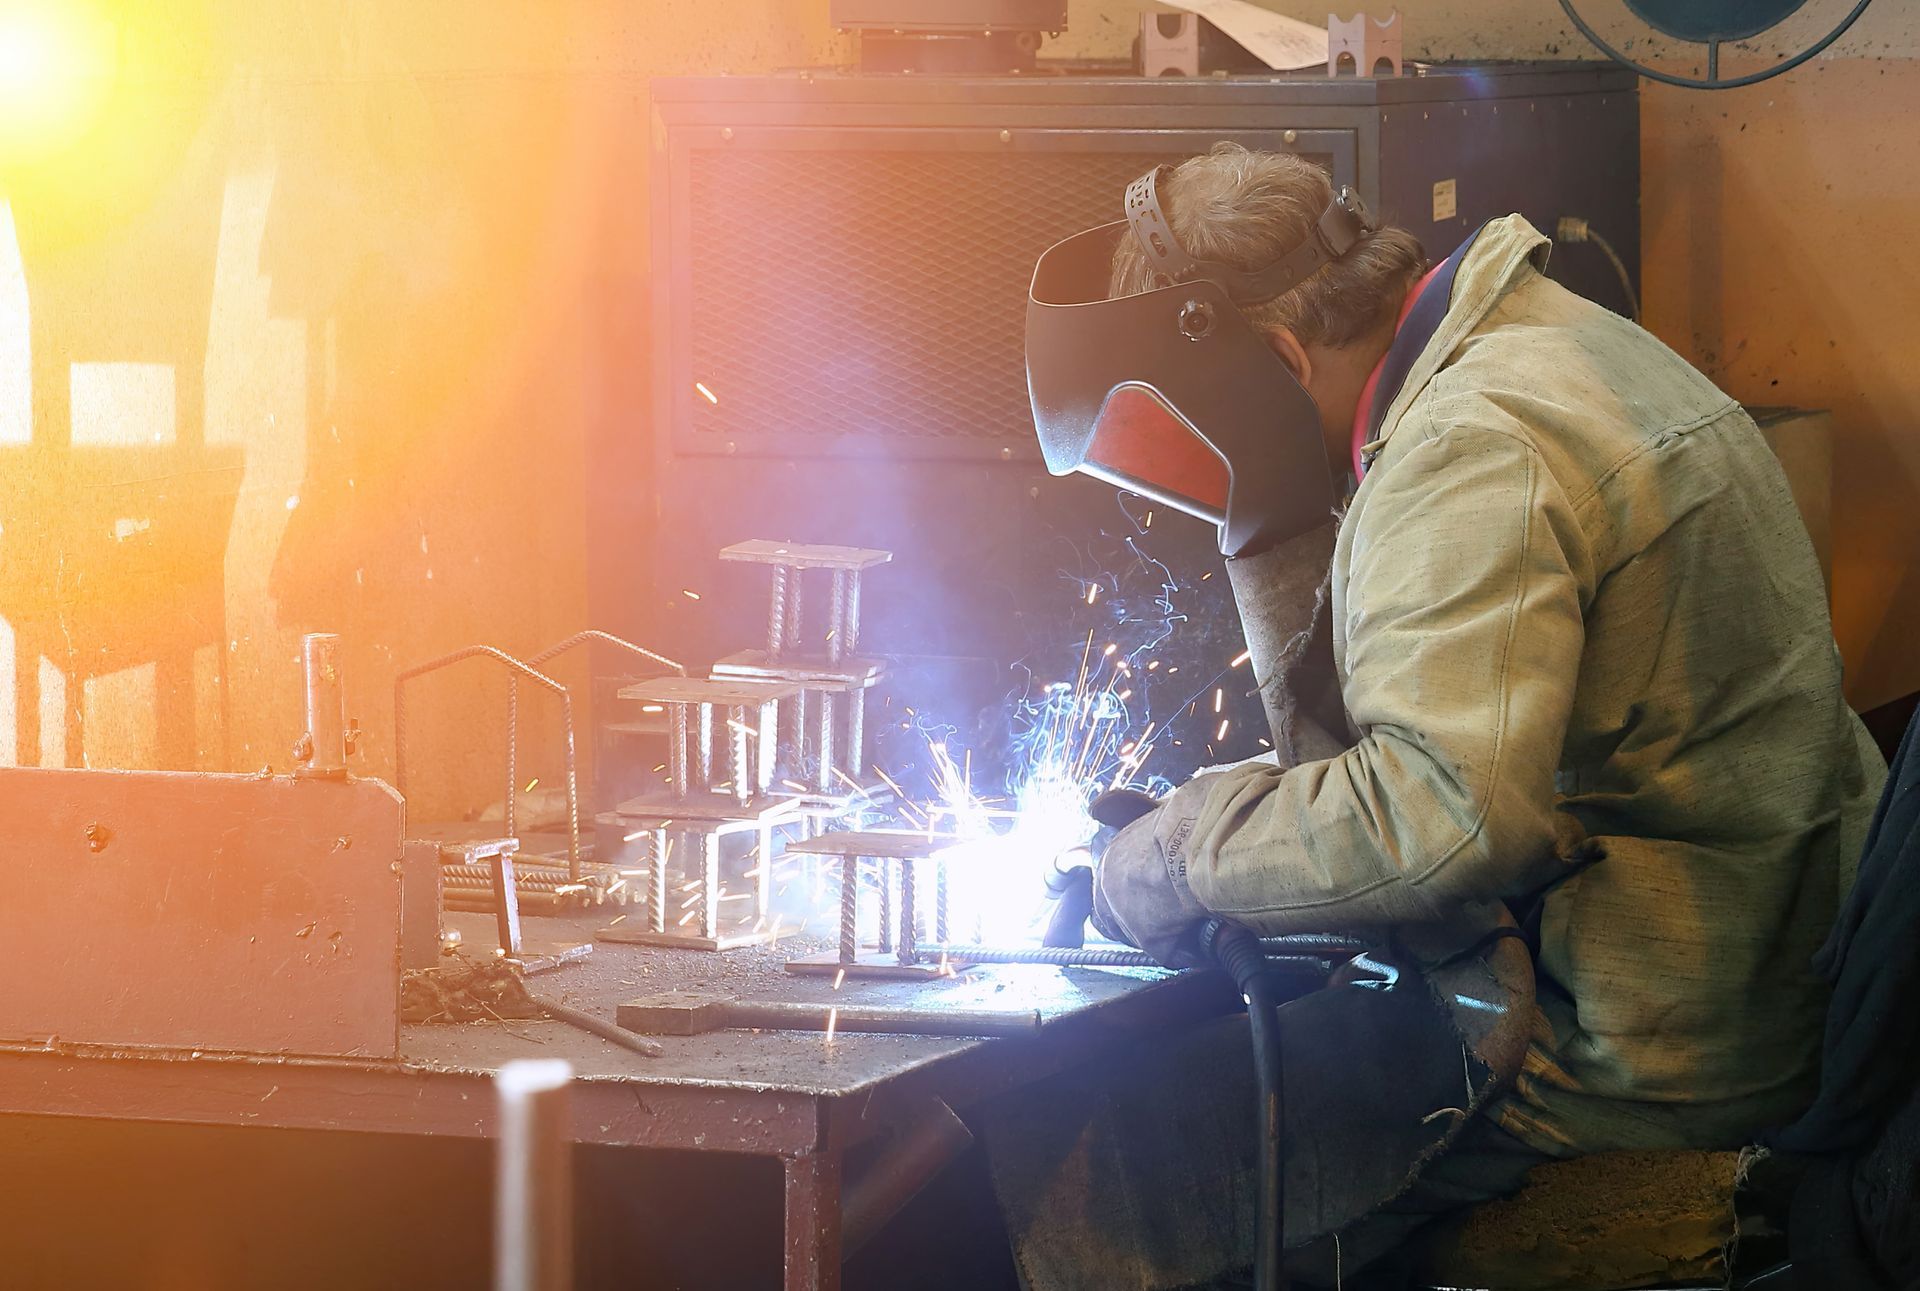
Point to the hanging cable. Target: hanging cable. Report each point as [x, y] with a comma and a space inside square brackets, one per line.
[1573, 229]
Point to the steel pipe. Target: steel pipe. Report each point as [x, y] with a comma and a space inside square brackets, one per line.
[533, 1181]
[325, 745]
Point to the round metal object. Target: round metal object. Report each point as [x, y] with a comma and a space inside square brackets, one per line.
[1711, 23]
[1703, 21]
[1196, 320]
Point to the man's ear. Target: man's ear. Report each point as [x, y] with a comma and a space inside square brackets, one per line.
[1284, 343]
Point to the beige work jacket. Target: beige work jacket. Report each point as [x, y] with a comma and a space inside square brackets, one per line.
[1573, 601]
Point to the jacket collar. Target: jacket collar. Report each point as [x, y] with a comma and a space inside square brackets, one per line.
[1450, 304]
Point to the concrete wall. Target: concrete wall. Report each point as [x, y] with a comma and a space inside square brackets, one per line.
[1781, 230]
[309, 312]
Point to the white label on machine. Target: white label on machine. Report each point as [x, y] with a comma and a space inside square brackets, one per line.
[1282, 43]
[1444, 205]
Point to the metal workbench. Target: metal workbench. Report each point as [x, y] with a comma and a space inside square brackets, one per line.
[802, 1099]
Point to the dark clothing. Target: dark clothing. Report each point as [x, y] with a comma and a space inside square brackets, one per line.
[1856, 1214]
[1871, 1050]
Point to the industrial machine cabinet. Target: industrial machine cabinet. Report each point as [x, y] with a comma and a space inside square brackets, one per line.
[840, 265]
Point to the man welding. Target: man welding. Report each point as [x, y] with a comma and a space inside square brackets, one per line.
[1556, 679]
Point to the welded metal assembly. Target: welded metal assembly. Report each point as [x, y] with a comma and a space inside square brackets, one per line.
[518, 667]
[834, 677]
[600, 882]
[699, 812]
[495, 858]
[896, 947]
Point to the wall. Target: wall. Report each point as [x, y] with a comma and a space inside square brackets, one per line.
[1780, 257]
[309, 313]
[312, 313]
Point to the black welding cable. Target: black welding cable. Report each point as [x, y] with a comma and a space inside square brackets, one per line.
[1244, 959]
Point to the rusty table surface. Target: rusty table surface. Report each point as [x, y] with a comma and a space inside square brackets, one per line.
[773, 1093]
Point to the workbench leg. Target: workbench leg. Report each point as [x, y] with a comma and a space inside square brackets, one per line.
[812, 1187]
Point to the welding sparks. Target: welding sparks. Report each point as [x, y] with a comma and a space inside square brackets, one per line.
[833, 1020]
[839, 979]
[690, 594]
[531, 784]
[1221, 734]
[706, 394]
[1093, 590]
[1219, 697]
[1240, 658]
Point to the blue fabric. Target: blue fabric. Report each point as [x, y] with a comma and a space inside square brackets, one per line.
[1416, 329]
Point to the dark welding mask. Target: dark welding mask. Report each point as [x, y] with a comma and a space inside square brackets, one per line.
[1171, 393]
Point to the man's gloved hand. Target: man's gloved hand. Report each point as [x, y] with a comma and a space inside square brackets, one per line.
[1140, 893]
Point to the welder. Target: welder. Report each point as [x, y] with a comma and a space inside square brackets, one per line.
[1546, 651]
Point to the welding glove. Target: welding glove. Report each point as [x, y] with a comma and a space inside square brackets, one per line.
[1140, 893]
[1070, 879]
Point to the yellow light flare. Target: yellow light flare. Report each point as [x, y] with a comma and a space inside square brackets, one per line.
[57, 65]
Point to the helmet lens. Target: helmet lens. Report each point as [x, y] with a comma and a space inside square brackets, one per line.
[1140, 443]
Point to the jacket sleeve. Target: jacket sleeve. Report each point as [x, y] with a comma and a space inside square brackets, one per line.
[1464, 630]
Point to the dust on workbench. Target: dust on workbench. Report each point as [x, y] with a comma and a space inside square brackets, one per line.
[805, 1062]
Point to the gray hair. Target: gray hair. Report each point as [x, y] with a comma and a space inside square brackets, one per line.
[1247, 209]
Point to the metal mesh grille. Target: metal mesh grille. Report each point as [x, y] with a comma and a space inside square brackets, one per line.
[878, 293]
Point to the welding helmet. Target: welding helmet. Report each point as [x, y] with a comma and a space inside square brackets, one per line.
[1171, 393]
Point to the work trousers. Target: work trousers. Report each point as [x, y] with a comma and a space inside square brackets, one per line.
[1137, 1174]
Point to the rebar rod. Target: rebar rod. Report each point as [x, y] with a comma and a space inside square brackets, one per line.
[743, 771]
[657, 904]
[677, 748]
[777, 616]
[825, 781]
[907, 930]
[517, 668]
[704, 732]
[851, 616]
[1301, 950]
[856, 734]
[836, 617]
[849, 908]
[709, 885]
[795, 586]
